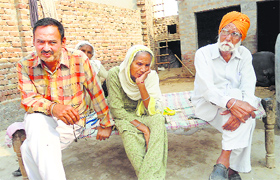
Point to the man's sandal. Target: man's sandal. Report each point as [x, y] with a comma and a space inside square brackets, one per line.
[220, 172]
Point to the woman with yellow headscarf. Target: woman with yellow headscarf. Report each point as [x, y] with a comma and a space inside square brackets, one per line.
[135, 103]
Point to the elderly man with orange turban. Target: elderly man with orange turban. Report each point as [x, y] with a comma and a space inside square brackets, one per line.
[224, 95]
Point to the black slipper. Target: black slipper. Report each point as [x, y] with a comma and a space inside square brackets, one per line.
[17, 172]
[235, 176]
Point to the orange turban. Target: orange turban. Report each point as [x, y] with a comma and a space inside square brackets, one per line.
[241, 21]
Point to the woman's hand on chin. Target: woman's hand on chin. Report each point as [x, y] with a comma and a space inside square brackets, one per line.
[142, 78]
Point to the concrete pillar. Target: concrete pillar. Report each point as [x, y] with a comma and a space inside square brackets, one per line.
[277, 79]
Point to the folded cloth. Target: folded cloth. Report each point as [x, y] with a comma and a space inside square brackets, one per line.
[8, 141]
[168, 111]
[11, 130]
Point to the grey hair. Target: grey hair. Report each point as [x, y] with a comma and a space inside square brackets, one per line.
[141, 51]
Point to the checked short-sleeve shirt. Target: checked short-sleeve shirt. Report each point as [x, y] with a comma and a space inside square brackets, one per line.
[67, 85]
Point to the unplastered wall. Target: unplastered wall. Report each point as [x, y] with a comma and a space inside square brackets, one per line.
[111, 29]
[146, 13]
[161, 27]
[130, 4]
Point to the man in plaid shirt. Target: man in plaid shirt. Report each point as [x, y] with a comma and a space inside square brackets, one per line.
[55, 83]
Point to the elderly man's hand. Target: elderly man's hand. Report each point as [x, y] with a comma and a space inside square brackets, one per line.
[232, 124]
[242, 110]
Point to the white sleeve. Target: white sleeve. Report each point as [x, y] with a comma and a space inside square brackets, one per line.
[248, 79]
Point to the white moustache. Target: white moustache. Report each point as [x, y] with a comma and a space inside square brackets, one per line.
[226, 46]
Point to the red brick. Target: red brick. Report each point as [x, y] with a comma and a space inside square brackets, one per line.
[6, 17]
[4, 82]
[13, 81]
[8, 55]
[11, 23]
[15, 33]
[5, 5]
[10, 28]
[2, 50]
[10, 76]
[16, 59]
[8, 39]
[22, 6]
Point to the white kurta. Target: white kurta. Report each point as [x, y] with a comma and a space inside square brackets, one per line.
[216, 82]
[99, 70]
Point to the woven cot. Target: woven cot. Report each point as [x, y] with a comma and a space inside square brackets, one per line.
[184, 120]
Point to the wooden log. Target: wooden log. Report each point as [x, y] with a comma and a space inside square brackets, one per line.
[269, 123]
[18, 138]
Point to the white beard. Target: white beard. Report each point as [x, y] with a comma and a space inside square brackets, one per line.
[228, 46]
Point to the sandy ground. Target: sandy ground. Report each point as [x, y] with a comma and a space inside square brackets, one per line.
[190, 157]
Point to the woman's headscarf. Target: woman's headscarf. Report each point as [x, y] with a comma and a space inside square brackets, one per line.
[95, 63]
[241, 21]
[82, 43]
[130, 87]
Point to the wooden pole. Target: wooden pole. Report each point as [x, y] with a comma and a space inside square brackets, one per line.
[184, 65]
[269, 123]
[18, 138]
[277, 79]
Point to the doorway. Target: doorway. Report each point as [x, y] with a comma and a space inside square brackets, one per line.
[174, 47]
[267, 25]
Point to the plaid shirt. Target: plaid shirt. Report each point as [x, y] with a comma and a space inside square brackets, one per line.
[67, 85]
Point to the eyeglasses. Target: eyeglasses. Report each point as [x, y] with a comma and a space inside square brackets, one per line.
[234, 35]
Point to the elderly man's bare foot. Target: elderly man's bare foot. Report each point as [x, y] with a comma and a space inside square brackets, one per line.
[224, 158]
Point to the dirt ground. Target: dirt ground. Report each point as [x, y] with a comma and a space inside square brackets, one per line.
[190, 157]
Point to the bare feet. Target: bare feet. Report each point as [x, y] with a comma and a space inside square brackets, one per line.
[224, 158]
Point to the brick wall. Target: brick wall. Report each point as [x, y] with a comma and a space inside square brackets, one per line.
[145, 7]
[161, 28]
[112, 30]
[188, 31]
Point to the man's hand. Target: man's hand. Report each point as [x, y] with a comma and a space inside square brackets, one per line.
[66, 113]
[242, 110]
[103, 134]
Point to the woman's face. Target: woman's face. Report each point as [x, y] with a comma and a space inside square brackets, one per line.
[87, 50]
[140, 65]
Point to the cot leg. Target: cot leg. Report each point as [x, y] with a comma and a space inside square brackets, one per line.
[18, 138]
[269, 123]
